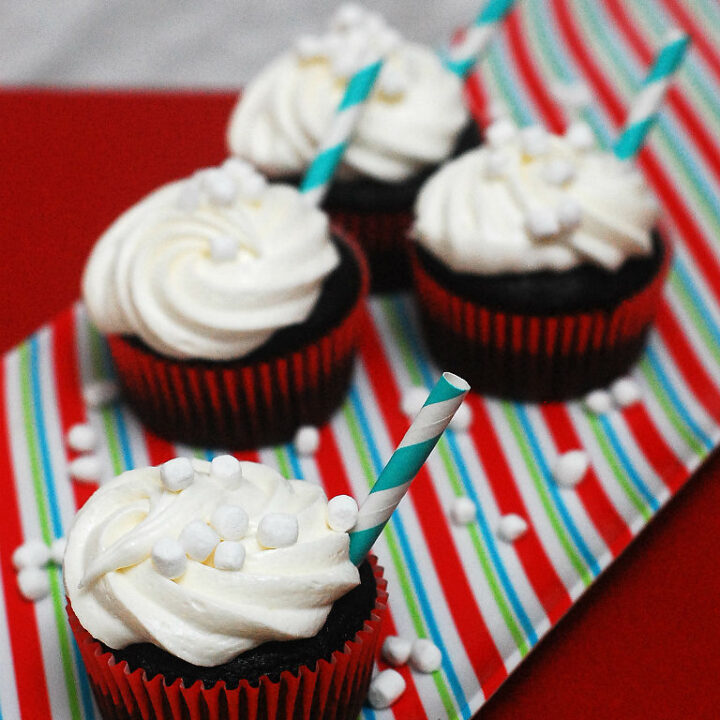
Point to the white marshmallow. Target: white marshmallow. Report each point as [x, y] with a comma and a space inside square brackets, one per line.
[463, 511]
[558, 171]
[86, 468]
[542, 222]
[32, 553]
[510, 527]
[223, 248]
[385, 689]
[227, 468]
[169, 559]
[598, 402]
[277, 530]
[307, 440]
[396, 650]
[462, 418]
[569, 213]
[388, 39]
[425, 656]
[101, 392]
[177, 474]
[496, 164]
[57, 550]
[308, 47]
[81, 437]
[230, 521]
[198, 540]
[229, 555]
[219, 185]
[570, 467]
[625, 392]
[33, 583]
[412, 400]
[392, 82]
[342, 513]
[253, 186]
[501, 132]
[534, 141]
[348, 15]
[238, 168]
[189, 196]
[580, 136]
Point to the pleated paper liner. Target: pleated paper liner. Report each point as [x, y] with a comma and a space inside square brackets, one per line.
[240, 404]
[524, 356]
[334, 689]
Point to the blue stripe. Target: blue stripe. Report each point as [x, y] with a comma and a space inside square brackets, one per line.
[322, 167]
[360, 86]
[668, 61]
[494, 10]
[409, 555]
[688, 283]
[459, 462]
[633, 137]
[294, 461]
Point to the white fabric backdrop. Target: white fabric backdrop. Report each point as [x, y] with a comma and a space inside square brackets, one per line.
[176, 43]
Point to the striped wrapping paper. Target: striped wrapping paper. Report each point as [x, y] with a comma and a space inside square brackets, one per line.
[443, 579]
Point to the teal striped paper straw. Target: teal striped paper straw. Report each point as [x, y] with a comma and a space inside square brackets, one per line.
[319, 175]
[462, 57]
[422, 436]
[644, 110]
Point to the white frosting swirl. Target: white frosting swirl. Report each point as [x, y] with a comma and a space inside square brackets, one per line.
[411, 120]
[531, 201]
[208, 615]
[211, 266]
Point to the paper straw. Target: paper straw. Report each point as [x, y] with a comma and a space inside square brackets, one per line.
[319, 175]
[462, 57]
[644, 110]
[422, 436]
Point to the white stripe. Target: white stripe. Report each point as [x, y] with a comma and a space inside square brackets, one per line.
[474, 43]
[379, 506]
[648, 101]
[9, 703]
[431, 421]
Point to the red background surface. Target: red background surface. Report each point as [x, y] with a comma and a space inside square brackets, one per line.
[644, 642]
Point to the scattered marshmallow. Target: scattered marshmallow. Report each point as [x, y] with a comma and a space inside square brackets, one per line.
[462, 419]
[198, 540]
[177, 474]
[33, 553]
[580, 136]
[598, 402]
[223, 248]
[86, 468]
[101, 392]
[385, 689]
[510, 527]
[57, 550]
[168, 557]
[33, 583]
[534, 141]
[227, 468]
[342, 513]
[307, 440]
[396, 650]
[501, 132]
[81, 437]
[463, 511]
[569, 213]
[558, 171]
[625, 392]
[277, 530]
[219, 185]
[229, 555]
[496, 164]
[230, 522]
[542, 222]
[425, 656]
[570, 468]
[412, 400]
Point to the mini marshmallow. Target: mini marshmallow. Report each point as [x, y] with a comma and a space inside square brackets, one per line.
[388, 39]
[86, 468]
[198, 540]
[385, 689]
[307, 440]
[308, 47]
[425, 656]
[569, 213]
[189, 196]
[57, 550]
[625, 392]
[598, 402]
[277, 530]
[33, 553]
[168, 557]
[396, 650]
[542, 222]
[177, 474]
[99, 393]
[348, 15]
[33, 583]
[238, 168]
[412, 400]
[229, 555]
[462, 418]
[348, 61]
[463, 511]
[223, 248]
[227, 469]
[81, 437]
[534, 141]
[392, 82]
[230, 522]
[501, 132]
[510, 527]
[580, 136]
[570, 468]
[253, 186]
[219, 185]
[558, 172]
[342, 513]
[496, 164]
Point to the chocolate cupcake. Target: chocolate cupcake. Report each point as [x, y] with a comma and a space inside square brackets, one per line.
[414, 120]
[537, 264]
[200, 589]
[232, 313]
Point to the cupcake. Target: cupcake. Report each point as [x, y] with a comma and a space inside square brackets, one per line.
[200, 589]
[231, 311]
[414, 120]
[537, 263]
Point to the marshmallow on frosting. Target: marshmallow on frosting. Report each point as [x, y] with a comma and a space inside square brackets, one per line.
[411, 120]
[211, 266]
[135, 570]
[530, 200]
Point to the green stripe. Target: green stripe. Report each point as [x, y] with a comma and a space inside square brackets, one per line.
[282, 462]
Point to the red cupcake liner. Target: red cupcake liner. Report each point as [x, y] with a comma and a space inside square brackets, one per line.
[236, 404]
[332, 690]
[382, 236]
[534, 357]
